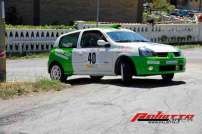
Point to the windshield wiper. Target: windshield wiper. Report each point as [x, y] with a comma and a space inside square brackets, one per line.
[124, 41]
[141, 41]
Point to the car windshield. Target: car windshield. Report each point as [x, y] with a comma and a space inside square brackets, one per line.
[125, 36]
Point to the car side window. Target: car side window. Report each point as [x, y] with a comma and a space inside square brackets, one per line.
[69, 41]
[89, 39]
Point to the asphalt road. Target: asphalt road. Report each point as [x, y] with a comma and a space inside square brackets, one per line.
[105, 107]
[27, 70]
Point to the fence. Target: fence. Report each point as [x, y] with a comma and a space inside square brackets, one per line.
[27, 41]
[20, 41]
[163, 33]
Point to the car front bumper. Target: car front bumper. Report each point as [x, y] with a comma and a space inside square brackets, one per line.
[146, 66]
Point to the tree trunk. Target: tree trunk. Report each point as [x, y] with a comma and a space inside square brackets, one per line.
[140, 11]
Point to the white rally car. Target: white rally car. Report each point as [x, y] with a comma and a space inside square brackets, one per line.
[99, 52]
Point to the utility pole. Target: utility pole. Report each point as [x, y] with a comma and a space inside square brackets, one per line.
[98, 13]
[140, 10]
[2, 42]
[36, 12]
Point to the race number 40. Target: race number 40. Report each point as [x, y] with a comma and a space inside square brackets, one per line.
[92, 58]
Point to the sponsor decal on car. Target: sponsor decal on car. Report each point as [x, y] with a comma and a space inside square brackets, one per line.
[172, 62]
[62, 54]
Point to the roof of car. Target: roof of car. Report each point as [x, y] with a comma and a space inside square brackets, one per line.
[103, 29]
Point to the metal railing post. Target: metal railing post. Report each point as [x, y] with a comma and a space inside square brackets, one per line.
[98, 13]
[2, 43]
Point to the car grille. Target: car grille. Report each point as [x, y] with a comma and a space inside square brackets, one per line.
[170, 68]
[165, 54]
[161, 54]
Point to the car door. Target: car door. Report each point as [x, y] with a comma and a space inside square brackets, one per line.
[105, 61]
[64, 52]
[84, 57]
[104, 57]
[90, 58]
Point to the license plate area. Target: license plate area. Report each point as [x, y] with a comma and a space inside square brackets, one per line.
[167, 68]
[171, 68]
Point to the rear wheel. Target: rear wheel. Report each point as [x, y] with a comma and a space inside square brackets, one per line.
[96, 78]
[57, 73]
[167, 77]
[126, 72]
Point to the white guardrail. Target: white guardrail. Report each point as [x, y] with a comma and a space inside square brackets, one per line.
[28, 41]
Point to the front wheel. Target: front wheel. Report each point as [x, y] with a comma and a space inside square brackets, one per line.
[57, 73]
[167, 77]
[126, 72]
[96, 78]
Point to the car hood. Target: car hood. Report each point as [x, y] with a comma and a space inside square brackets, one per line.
[156, 47]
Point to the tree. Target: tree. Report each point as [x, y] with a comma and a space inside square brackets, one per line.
[162, 5]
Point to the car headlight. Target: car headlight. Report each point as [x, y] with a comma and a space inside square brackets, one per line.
[143, 51]
[181, 53]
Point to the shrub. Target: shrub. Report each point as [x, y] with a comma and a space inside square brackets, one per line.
[8, 26]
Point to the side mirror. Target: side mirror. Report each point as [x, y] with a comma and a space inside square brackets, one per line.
[102, 43]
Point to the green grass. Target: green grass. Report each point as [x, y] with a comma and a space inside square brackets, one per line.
[68, 26]
[46, 85]
[8, 26]
[188, 46]
[13, 89]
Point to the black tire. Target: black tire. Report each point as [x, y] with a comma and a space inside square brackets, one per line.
[126, 72]
[57, 73]
[167, 77]
[96, 78]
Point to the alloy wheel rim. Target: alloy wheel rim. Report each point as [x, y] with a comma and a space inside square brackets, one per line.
[56, 72]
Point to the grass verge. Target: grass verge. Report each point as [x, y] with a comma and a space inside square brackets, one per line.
[12, 89]
[9, 26]
[187, 46]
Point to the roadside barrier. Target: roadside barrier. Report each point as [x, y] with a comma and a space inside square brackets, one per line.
[28, 41]
[42, 40]
[162, 33]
